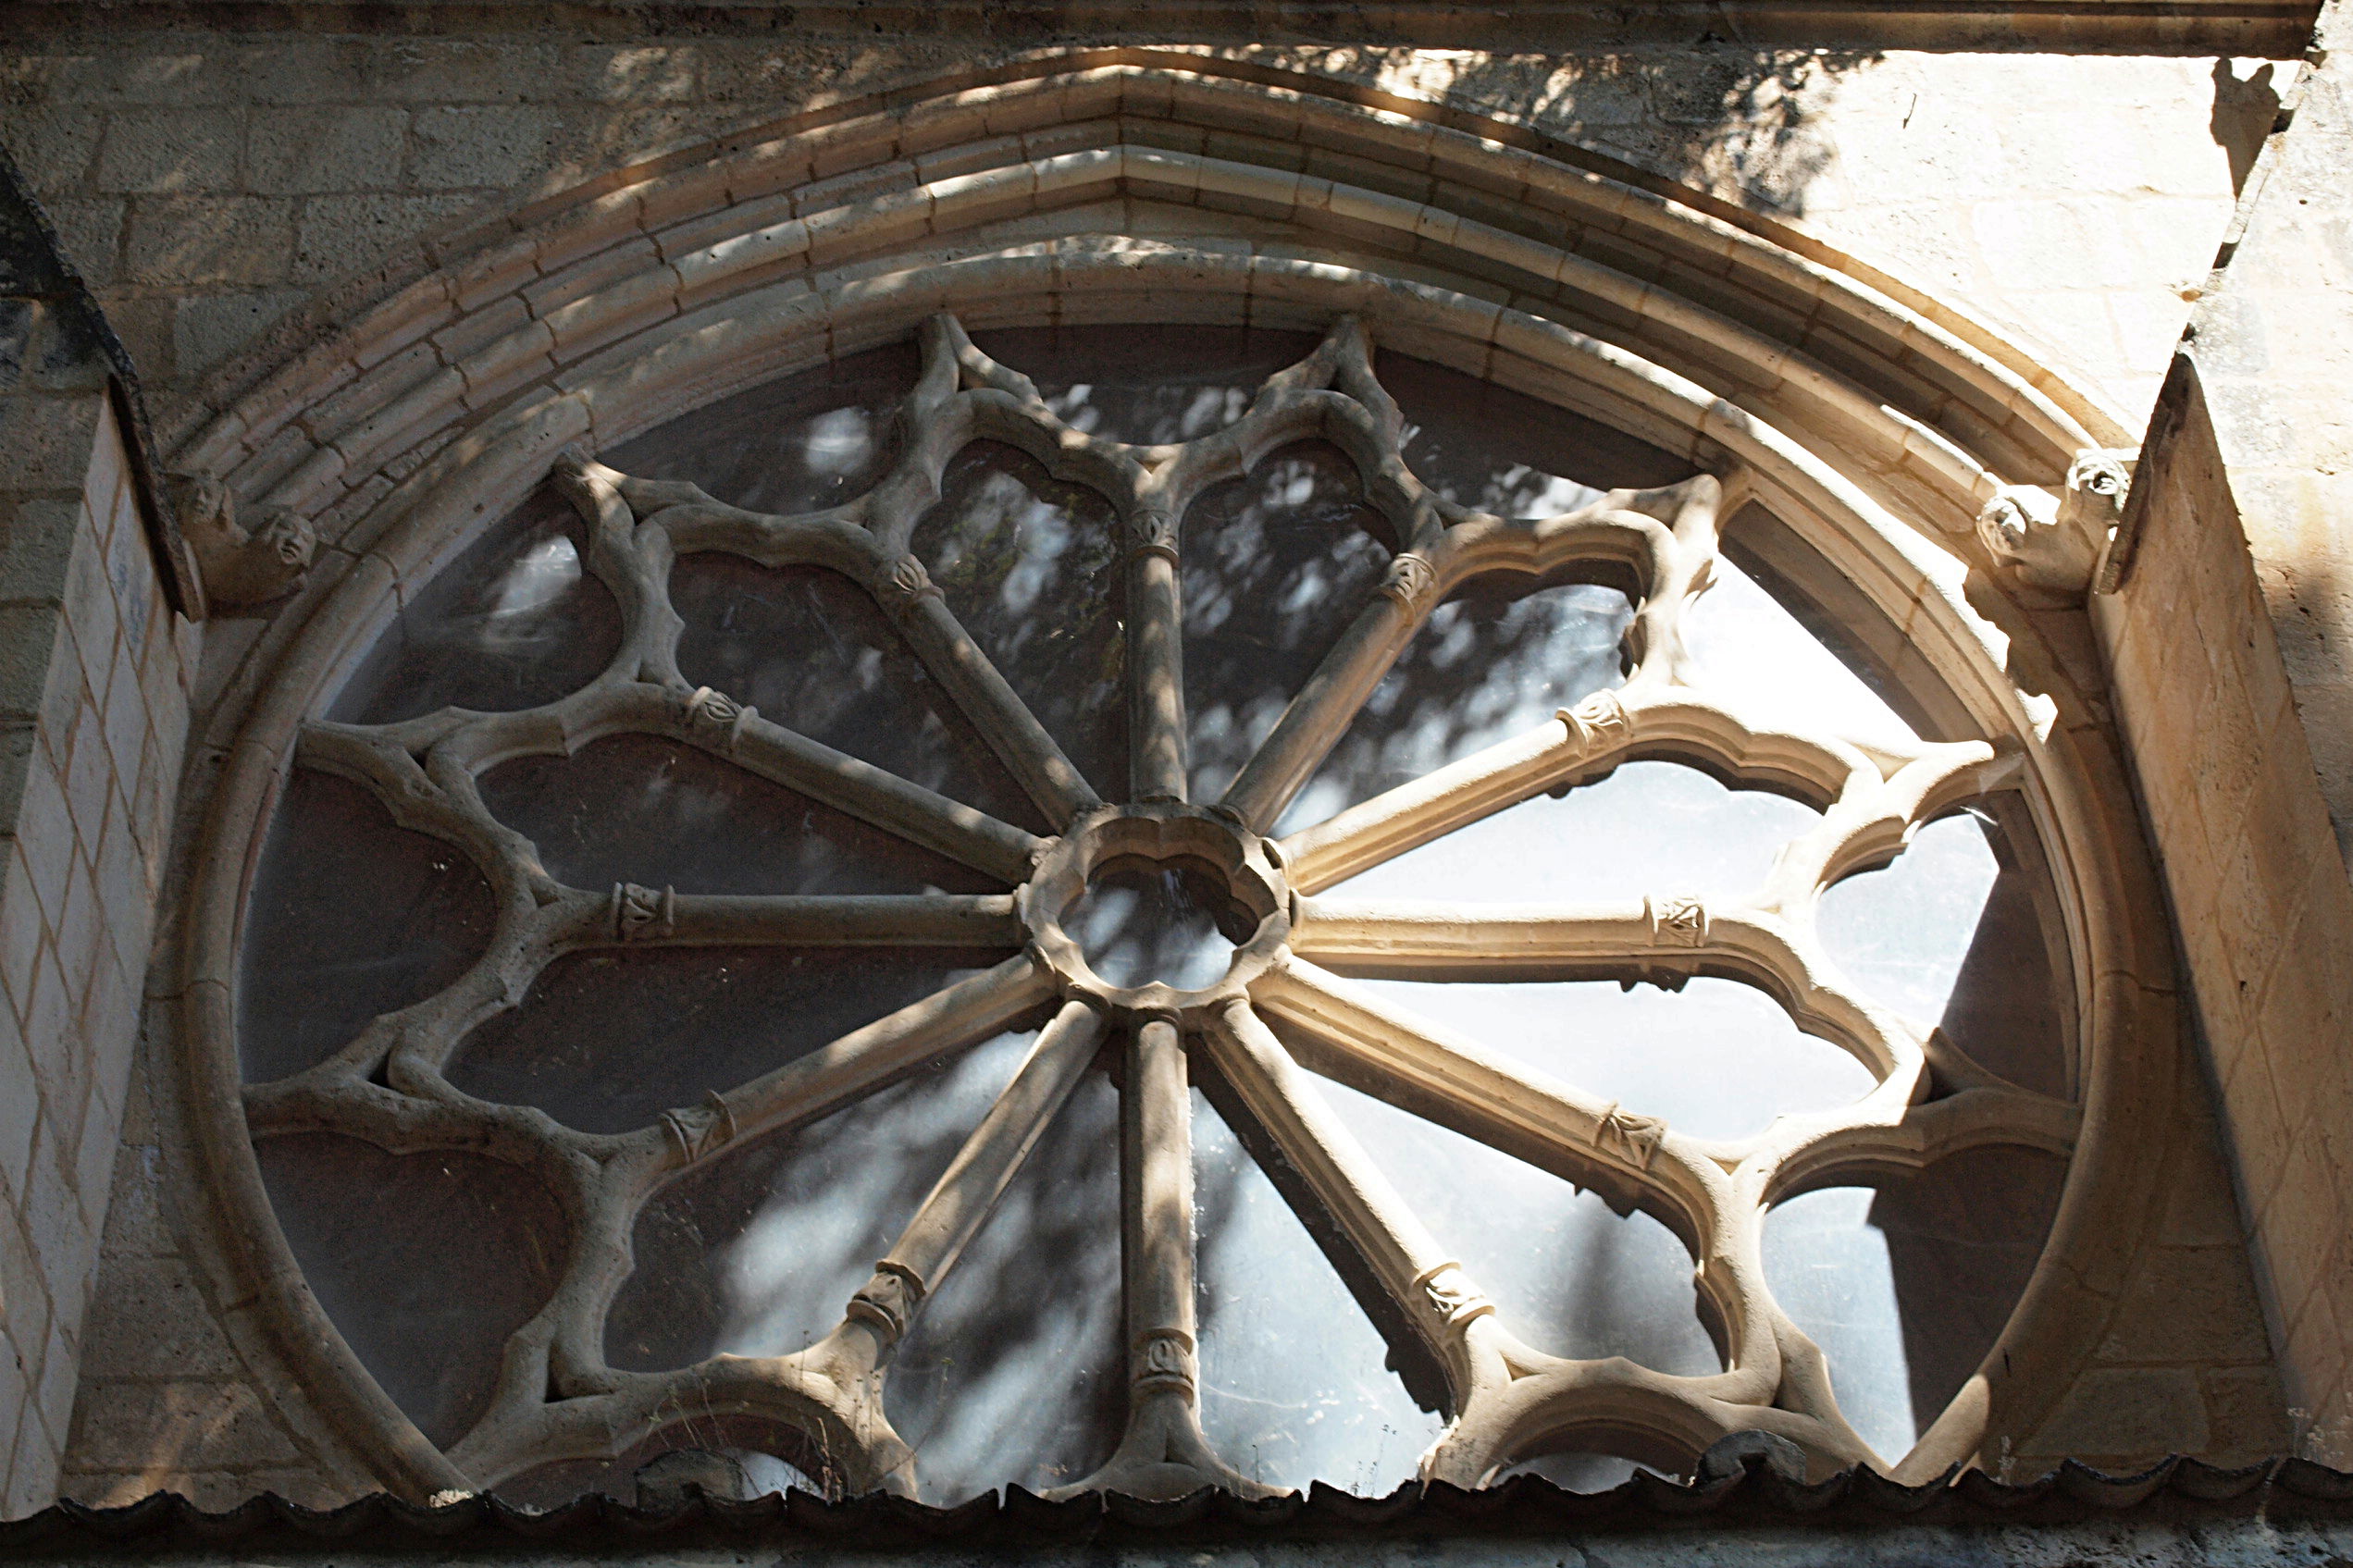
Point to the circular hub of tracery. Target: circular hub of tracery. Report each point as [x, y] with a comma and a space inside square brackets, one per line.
[1145, 887]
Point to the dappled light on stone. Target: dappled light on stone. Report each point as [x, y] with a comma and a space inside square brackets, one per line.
[1124, 912]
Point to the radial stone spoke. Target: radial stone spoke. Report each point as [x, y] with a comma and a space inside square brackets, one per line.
[1412, 814]
[1500, 1101]
[1440, 939]
[1163, 1453]
[1429, 1286]
[1317, 718]
[651, 918]
[883, 799]
[1012, 731]
[865, 1059]
[974, 1181]
[1156, 761]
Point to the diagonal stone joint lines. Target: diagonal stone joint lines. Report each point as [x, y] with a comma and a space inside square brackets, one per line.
[557, 1399]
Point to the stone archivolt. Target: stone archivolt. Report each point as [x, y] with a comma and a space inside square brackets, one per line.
[648, 300]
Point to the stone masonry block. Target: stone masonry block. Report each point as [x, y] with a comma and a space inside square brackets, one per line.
[2248, 1411]
[36, 543]
[496, 70]
[48, 440]
[28, 641]
[53, 149]
[2190, 1304]
[45, 835]
[2139, 1409]
[18, 1368]
[208, 328]
[148, 1319]
[478, 147]
[209, 239]
[18, 746]
[22, 929]
[125, 1426]
[19, 1107]
[169, 152]
[64, 1241]
[90, 232]
[135, 1223]
[341, 235]
[307, 151]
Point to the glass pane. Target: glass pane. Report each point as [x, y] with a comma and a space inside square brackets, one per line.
[1948, 933]
[810, 649]
[426, 1262]
[1492, 450]
[608, 1039]
[1500, 657]
[799, 443]
[1277, 563]
[1567, 1276]
[513, 622]
[1031, 566]
[1013, 1375]
[746, 1468]
[352, 917]
[1649, 828]
[758, 1250]
[1574, 1472]
[1906, 1287]
[1146, 385]
[1716, 1059]
[1753, 653]
[646, 810]
[1296, 1381]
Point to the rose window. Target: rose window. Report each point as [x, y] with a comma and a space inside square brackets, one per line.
[1243, 912]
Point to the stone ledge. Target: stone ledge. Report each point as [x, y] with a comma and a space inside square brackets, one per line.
[2189, 27]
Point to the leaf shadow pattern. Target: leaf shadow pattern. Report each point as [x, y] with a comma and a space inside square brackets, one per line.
[1276, 564]
[1743, 123]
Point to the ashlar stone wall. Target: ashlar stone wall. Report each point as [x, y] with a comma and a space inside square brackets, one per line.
[229, 194]
[93, 717]
[2230, 642]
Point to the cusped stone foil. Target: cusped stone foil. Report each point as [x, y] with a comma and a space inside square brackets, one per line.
[1290, 1005]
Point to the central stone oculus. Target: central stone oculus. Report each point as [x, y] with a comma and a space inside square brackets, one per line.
[1157, 909]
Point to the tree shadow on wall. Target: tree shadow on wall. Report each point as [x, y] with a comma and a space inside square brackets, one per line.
[1742, 123]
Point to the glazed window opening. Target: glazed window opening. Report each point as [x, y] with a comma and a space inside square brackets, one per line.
[1308, 791]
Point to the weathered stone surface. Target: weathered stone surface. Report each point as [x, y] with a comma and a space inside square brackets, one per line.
[163, 1428]
[2124, 1410]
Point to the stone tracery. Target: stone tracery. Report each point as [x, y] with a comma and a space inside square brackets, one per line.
[1508, 1400]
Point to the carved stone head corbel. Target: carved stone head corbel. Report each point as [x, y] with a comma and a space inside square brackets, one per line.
[2053, 543]
[242, 566]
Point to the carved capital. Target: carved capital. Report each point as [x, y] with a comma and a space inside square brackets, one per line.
[242, 565]
[1152, 532]
[1164, 1359]
[637, 911]
[1634, 1135]
[715, 718]
[696, 1130]
[1410, 582]
[1595, 724]
[1677, 922]
[908, 584]
[888, 1300]
[2052, 544]
[1453, 1296]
